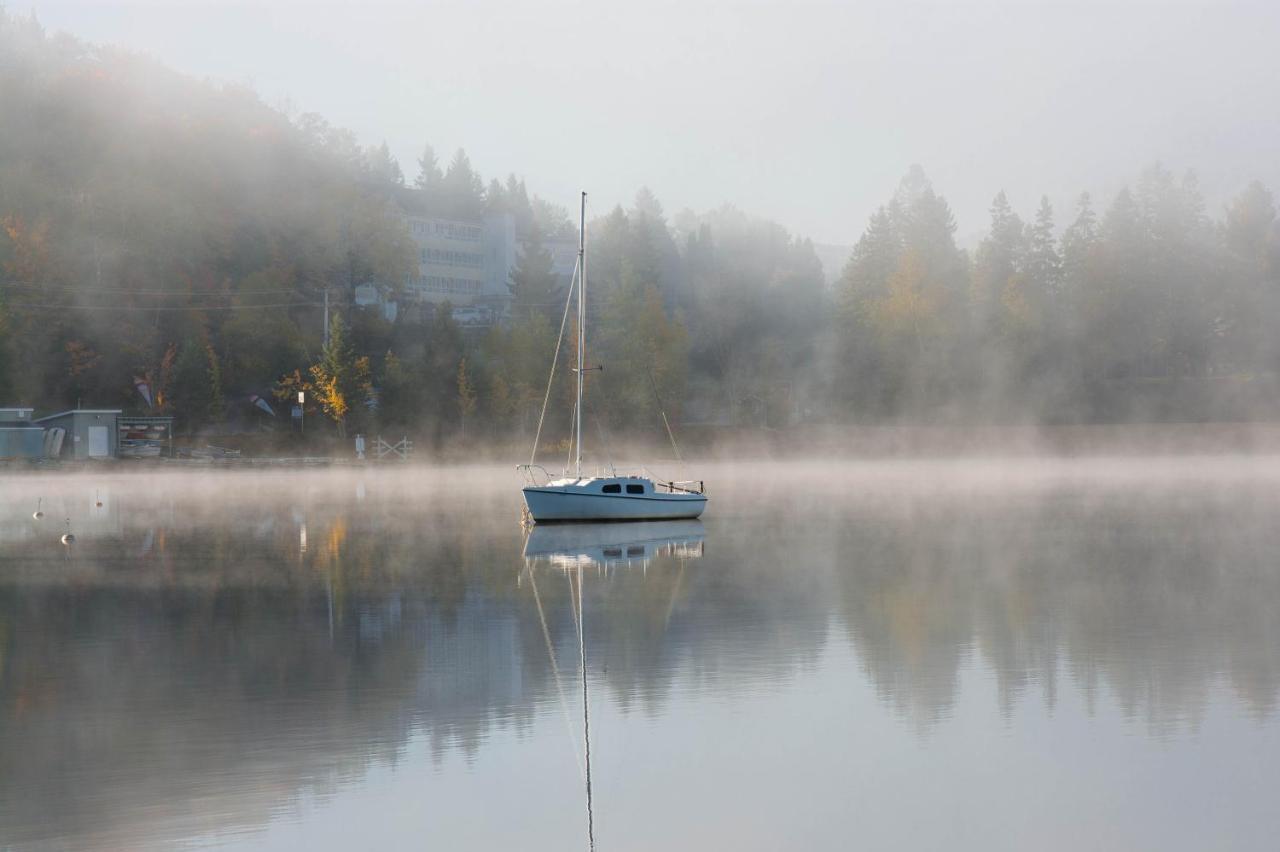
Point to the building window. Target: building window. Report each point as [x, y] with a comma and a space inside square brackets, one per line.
[448, 257]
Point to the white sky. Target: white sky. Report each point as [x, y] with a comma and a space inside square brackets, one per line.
[807, 113]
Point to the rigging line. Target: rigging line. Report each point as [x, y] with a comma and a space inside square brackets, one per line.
[672, 435]
[604, 442]
[554, 360]
[573, 605]
[586, 714]
[573, 432]
[555, 671]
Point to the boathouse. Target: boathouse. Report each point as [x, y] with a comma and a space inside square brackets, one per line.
[90, 433]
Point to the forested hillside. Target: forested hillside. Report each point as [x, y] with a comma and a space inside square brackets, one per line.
[178, 234]
[1147, 307]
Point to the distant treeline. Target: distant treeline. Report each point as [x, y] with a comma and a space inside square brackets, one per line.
[1150, 309]
[162, 232]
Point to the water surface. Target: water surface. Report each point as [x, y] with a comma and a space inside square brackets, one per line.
[975, 654]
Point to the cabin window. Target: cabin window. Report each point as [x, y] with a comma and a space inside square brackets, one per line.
[613, 551]
[635, 551]
[614, 488]
[635, 489]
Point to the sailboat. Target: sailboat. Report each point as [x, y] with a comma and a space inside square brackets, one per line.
[599, 496]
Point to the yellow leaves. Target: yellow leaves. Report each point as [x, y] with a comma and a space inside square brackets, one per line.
[327, 393]
[30, 248]
[910, 308]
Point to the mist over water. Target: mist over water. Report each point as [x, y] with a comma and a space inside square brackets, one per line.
[962, 652]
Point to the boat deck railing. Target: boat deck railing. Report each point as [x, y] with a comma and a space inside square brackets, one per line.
[537, 475]
[682, 486]
[532, 472]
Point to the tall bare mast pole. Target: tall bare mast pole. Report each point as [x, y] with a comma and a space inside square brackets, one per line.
[582, 326]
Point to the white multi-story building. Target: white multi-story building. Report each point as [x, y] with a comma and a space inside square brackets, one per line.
[467, 264]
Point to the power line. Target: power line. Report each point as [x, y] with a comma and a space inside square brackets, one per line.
[148, 310]
[35, 285]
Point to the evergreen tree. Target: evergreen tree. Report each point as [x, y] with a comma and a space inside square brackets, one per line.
[340, 378]
[1000, 256]
[518, 204]
[1251, 313]
[535, 287]
[1044, 266]
[495, 200]
[1250, 226]
[429, 175]
[462, 190]
[1079, 244]
[399, 395]
[382, 168]
[874, 258]
[466, 391]
[438, 372]
[195, 390]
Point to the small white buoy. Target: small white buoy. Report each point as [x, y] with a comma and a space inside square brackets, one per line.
[37, 514]
[68, 537]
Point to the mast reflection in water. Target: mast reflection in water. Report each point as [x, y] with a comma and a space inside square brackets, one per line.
[576, 547]
[876, 655]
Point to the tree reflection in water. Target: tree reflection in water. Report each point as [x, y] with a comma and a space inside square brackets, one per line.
[194, 661]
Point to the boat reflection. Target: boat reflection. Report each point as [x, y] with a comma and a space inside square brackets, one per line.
[609, 545]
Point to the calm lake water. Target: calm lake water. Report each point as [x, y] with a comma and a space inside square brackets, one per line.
[979, 654]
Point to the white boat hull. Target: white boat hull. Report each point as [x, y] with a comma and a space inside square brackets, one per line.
[574, 502]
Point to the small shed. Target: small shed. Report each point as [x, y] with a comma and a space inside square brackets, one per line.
[20, 438]
[91, 433]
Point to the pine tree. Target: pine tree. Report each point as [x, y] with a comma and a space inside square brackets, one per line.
[1079, 244]
[874, 259]
[495, 198]
[196, 385]
[338, 377]
[518, 204]
[466, 395]
[1250, 226]
[1000, 256]
[437, 371]
[382, 168]
[462, 189]
[534, 285]
[1044, 266]
[429, 174]
[400, 394]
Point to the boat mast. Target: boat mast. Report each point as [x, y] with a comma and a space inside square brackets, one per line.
[582, 322]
